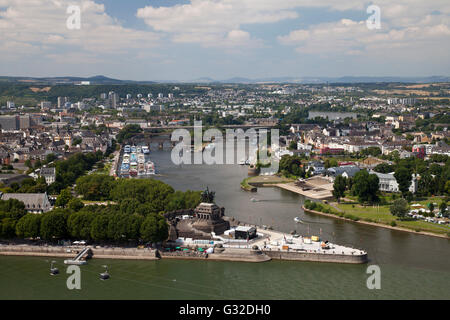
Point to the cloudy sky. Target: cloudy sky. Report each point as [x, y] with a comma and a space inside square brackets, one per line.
[189, 39]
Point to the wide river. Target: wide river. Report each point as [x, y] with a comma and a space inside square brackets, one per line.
[412, 266]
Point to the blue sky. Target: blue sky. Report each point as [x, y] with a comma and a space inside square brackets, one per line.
[189, 39]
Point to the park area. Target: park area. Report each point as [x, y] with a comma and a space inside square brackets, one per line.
[380, 214]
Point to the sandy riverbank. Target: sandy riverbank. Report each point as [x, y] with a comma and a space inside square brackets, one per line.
[377, 224]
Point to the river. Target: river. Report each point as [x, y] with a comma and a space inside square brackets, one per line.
[412, 266]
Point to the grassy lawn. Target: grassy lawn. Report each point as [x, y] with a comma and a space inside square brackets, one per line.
[382, 214]
[98, 201]
[268, 179]
[377, 214]
[104, 170]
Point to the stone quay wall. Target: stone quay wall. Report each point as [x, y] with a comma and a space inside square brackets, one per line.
[316, 257]
[56, 251]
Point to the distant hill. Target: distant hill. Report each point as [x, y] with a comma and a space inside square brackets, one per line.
[345, 79]
[70, 80]
[100, 79]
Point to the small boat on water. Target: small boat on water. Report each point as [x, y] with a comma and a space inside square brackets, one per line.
[254, 200]
[298, 220]
[150, 168]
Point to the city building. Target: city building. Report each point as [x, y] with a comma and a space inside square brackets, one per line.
[62, 102]
[388, 183]
[34, 202]
[49, 174]
[9, 123]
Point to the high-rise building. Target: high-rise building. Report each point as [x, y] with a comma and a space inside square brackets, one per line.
[170, 95]
[113, 99]
[10, 104]
[139, 96]
[160, 95]
[128, 96]
[103, 96]
[46, 104]
[62, 101]
[9, 123]
[24, 122]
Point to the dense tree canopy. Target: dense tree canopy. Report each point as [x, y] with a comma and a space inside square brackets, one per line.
[404, 177]
[29, 226]
[365, 186]
[128, 132]
[339, 186]
[399, 208]
[154, 228]
[94, 186]
[53, 225]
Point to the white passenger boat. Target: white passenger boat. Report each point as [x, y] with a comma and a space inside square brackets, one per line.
[298, 220]
[150, 168]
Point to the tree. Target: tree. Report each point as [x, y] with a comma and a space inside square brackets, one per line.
[366, 186]
[154, 228]
[330, 162]
[431, 207]
[75, 204]
[28, 163]
[37, 163]
[339, 186]
[153, 193]
[127, 132]
[95, 186]
[7, 228]
[79, 224]
[12, 208]
[384, 168]
[64, 197]
[99, 227]
[403, 177]
[293, 145]
[29, 226]
[53, 225]
[443, 208]
[399, 208]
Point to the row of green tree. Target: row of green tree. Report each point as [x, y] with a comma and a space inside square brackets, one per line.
[363, 185]
[434, 174]
[67, 172]
[135, 215]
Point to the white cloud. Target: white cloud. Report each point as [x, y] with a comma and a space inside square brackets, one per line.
[407, 28]
[30, 26]
[216, 22]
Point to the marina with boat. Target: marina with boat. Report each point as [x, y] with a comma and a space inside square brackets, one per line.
[135, 162]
